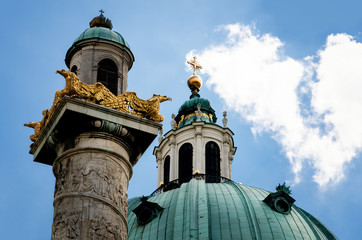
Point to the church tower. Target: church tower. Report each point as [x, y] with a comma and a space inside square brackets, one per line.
[195, 145]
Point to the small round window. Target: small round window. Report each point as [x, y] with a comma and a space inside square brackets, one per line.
[281, 205]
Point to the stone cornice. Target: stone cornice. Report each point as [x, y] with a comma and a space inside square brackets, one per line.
[73, 116]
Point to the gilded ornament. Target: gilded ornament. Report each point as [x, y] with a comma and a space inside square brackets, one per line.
[194, 82]
[189, 116]
[97, 93]
[194, 65]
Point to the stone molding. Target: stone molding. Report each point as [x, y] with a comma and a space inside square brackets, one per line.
[74, 116]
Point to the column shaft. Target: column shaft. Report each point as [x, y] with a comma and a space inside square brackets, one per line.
[92, 173]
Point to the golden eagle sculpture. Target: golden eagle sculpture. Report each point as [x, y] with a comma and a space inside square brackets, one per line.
[97, 93]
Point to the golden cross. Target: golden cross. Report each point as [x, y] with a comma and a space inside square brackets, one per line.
[194, 65]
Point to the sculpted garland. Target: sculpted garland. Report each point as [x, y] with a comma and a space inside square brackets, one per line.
[97, 93]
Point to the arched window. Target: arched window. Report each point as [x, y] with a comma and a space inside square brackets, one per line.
[166, 170]
[212, 162]
[185, 163]
[74, 69]
[107, 74]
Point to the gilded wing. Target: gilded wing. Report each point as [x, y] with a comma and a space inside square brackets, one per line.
[120, 103]
[97, 92]
[139, 105]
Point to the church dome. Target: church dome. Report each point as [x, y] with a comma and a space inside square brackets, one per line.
[196, 198]
[199, 210]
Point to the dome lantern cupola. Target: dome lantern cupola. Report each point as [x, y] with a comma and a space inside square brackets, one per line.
[100, 54]
[195, 147]
[196, 108]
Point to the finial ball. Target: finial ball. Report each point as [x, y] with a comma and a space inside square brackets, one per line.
[194, 82]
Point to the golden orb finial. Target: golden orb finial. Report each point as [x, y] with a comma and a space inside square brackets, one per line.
[194, 82]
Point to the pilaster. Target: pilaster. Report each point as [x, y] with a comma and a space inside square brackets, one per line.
[198, 160]
[159, 168]
[225, 157]
[173, 160]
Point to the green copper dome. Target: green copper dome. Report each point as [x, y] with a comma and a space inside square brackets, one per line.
[100, 31]
[187, 113]
[199, 210]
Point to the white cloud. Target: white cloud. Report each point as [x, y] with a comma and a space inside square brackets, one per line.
[312, 107]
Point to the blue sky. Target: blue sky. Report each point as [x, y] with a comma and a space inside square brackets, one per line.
[287, 72]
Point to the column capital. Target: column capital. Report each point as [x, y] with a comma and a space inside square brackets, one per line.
[198, 131]
[74, 116]
[172, 141]
[158, 156]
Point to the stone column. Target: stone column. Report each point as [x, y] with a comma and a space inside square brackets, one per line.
[92, 150]
[92, 178]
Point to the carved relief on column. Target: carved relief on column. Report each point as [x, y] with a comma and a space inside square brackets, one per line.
[90, 198]
[100, 178]
[60, 170]
[67, 225]
[85, 218]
